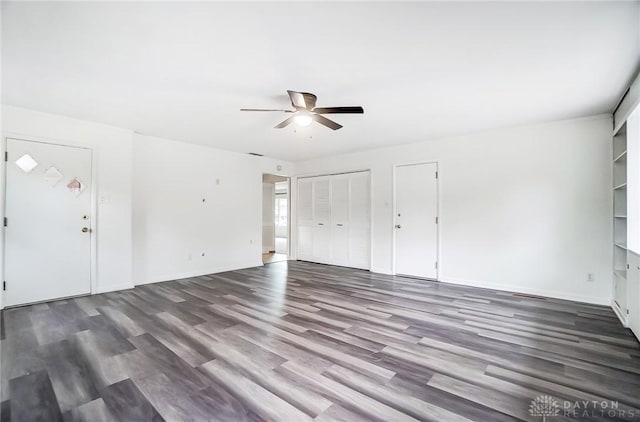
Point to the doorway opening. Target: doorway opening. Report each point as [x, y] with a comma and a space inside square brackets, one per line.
[275, 218]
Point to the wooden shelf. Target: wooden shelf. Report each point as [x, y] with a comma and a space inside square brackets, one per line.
[621, 186]
[621, 157]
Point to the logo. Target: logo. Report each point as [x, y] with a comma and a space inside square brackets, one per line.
[544, 406]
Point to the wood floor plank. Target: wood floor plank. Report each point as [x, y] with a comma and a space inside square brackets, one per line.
[263, 402]
[298, 341]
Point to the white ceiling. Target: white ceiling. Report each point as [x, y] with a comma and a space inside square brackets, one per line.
[420, 70]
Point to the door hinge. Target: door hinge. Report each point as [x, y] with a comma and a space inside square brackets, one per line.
[436, 265]
[4, 285]
[6, 221]
[436, 220]
[6, 156]
[436, 174]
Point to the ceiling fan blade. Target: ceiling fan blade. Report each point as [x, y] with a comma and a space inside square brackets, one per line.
[266, 109]
[285, 123]
[339, 110]
[326, 122]
[302, 99]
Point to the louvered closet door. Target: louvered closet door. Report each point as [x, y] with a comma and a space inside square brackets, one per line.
[322, 219]
[360, 223]
[340, 220]
[305, 219]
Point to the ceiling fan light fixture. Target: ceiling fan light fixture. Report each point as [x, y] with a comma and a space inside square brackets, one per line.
[303, 119]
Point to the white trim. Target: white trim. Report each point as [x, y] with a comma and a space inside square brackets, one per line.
[332, 173]
[531, 291]
[197, 273]
[116, 287]
[627, 104]
[393, 215]
[621, 316]
[93, 222]
[381, 270]
[289, 218]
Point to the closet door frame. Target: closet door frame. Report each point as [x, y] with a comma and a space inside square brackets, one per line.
[438, 201]
[334, 173]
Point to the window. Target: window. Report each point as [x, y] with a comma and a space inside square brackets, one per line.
[281, 210]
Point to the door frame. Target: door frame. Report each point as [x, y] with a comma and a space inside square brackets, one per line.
[393, 215]
[93, 223]
[289, 216]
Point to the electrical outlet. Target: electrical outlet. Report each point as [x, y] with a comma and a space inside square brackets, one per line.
[590, 277]
[202, 253]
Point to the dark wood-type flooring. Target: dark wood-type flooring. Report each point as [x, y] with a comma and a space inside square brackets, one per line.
[296, 341]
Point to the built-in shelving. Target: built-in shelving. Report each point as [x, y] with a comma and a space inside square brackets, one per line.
[620, 158]
[622, 185]
[620, 253]
[621, 273]
[626, 202]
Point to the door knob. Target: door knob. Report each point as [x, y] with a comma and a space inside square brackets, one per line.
[398, 226]
[85, 229]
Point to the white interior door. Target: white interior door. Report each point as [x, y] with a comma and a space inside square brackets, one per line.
[416, 212]
[48, 233]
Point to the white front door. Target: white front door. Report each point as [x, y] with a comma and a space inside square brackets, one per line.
[416, 228]
[48, 211]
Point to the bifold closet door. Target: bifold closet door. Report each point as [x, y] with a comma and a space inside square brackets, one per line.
[305, 219]
[334, 219]
[322, 219]
[340, 219]
[360, 222]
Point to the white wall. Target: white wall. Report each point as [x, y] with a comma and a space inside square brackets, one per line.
[525, 209]
[112, 151]
[173, 227]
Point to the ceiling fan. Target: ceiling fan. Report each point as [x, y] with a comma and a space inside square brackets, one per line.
[306, 111]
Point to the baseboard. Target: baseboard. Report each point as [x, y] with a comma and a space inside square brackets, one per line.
[621, 315]
[537, 292]
[115, 287]
[196, 273]
[380, 271]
